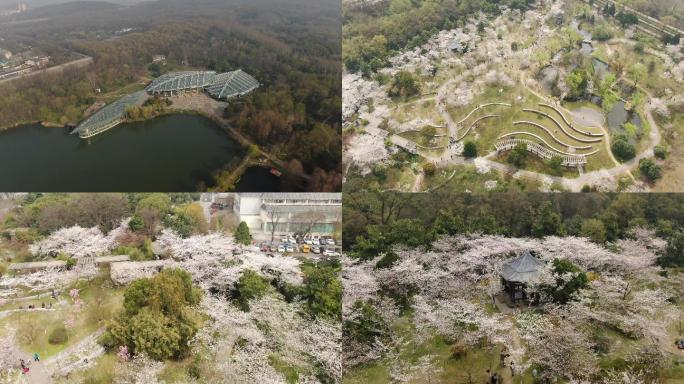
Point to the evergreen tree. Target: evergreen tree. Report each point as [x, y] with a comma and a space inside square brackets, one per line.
[242, 235]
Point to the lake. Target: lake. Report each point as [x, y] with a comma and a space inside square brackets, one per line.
[169, 153]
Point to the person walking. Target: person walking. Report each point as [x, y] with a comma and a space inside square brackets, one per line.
[36, 357]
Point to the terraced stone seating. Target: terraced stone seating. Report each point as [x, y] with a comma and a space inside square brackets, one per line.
[541, 151]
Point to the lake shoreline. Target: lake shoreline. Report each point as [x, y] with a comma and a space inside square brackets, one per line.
[182, 151]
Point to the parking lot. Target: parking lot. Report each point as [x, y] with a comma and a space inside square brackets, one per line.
[302, 245]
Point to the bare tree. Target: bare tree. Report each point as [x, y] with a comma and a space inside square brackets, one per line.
[274, 214]
[308, 220]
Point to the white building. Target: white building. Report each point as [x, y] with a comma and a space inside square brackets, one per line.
[315, 213]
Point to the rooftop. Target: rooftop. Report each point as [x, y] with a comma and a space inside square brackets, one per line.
[523, 269]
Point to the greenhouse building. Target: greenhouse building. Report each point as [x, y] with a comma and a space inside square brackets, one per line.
[220, 86]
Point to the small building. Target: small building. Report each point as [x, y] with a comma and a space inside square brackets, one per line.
[36, 266]
[518, 273]
[317, 213]
[159, 59]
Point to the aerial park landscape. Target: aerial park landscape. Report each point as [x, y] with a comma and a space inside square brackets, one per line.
[235, 120]
[512, 288]
[558, 95]
[162, 288]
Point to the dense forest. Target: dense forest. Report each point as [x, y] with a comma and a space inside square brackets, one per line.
[293, 50]
[668, 11]
[373, 222]
[371, 33]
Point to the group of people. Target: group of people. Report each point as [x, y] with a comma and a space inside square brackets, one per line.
[25, 365]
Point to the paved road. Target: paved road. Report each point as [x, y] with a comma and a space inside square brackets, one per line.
[78, 63]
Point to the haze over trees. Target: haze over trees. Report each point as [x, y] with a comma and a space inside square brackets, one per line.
[292, 49]
[374, 222]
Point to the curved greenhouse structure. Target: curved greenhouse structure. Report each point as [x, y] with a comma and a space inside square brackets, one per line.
[221, 86]
[232, 84]
[109, 116]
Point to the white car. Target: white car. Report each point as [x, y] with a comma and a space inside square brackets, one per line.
[315, 250]
[292, 240]
[328, 252]
[289, 248]
[307, 240]
[331, 241]
[281, 248]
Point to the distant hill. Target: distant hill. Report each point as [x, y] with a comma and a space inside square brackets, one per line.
[10, 4]
[67, 9]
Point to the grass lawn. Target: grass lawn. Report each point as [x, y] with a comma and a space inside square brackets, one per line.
[34, 328]
[446, 368]
[468, 179]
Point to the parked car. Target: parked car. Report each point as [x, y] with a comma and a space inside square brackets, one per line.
[330, 241]
[291, 240]
[308, 240]
[281, 248]
[263, 248]
[306, 248]
[316, 249]
[680, 344]
[328, 252]
[289, 248]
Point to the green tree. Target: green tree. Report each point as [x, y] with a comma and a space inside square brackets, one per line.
[660, 152]
[548, 222]
[136, 223]
[518, 155]
[429, 168]
[565, 289]
[637, 72]
[242, 235]
[556, 165]
[254, 151]
[405, 84]
[371, 245]
[674, 253]
[578, 81]
[650, 169]
[622, 148]
[470, 149]
[627, 19]
[157, 316]
[594, 230]
[188, 220]
[159, 202]
[365, 325]
[411, 232]
[323, 291]
[249, 287]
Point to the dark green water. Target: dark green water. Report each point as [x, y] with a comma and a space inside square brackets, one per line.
[170, 153]
[260, 179]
